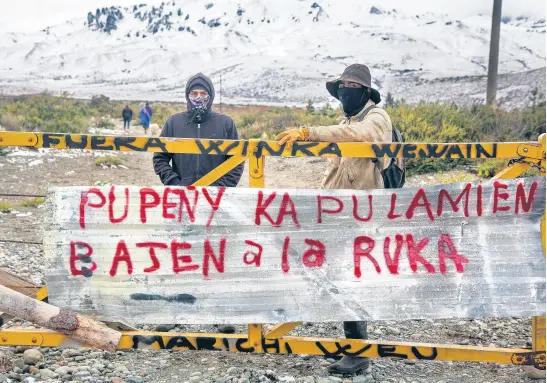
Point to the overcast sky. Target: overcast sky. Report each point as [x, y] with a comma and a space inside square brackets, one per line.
[30, 15]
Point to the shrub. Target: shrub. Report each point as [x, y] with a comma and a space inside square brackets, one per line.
[48, 113]
[5, 206]
[10, 122]
[108, 161]
[444, 123]
[489, 168]
[32, 202]
[310, 109]
[105, 123]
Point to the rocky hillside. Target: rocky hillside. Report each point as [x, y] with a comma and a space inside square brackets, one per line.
[272, 52]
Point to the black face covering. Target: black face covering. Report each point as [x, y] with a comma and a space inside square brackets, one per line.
[352, 99]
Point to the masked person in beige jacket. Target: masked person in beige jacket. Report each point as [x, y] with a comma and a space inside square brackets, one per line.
[363, 123]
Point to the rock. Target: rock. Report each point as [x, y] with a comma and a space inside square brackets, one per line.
[409, 361]
[165, 327]
[81, 374]
[48, 374]
[322, 380]
[138, 379]
[21, 349]
[394, 330]
[32, 356]
[70, 353]
[335, 379]
[79, 358]
[116, 380]
[29, 380]
[63, 370]
[533, 373]
[375, 11]
[19, 363]
[232, 371]
[122, 370]
[363, 379]
[34, 370]
[3, 378]
[287, 378]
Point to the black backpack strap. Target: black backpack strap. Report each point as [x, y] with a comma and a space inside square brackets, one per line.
[364, 114]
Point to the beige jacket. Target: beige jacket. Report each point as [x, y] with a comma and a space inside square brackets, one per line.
[355, 173]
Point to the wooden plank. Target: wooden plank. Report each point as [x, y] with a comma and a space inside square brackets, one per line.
[18, 284]
[264, 148]
[480, 257]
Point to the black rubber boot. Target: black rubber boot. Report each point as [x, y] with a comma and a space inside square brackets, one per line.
[349, 365]
[352, 364]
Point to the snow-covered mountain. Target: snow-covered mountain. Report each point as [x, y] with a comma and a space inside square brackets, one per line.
[272, 52]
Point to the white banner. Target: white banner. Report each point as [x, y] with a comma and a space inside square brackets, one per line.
[215, 255]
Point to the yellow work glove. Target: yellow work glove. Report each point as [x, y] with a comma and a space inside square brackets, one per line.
[289, 136]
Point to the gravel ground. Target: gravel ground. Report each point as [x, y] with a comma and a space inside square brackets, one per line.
[32, 172]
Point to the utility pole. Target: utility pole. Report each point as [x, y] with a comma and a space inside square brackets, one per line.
[492, 83]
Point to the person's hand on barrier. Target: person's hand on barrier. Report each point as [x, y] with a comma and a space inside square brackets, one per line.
[289, 136]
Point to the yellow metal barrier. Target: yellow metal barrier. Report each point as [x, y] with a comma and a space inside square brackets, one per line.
[523, 155]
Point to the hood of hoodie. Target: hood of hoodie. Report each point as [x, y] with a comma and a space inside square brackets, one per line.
[205, 82]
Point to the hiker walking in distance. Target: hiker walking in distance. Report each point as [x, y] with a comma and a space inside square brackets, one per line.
[144, 118]
[148, 110]
[127, 115]
[364, 122]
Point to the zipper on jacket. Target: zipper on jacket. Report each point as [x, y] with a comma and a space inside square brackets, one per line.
[197, 161]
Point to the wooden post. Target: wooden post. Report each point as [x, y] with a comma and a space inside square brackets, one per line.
[79, 328]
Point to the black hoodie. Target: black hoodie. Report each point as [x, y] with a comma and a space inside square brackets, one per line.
[185, 169]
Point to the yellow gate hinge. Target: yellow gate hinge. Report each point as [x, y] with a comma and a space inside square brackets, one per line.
[531, 151]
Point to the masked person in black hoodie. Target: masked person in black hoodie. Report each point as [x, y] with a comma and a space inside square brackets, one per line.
[197, 122]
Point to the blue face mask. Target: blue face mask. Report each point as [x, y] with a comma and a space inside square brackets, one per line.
[352, 99]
